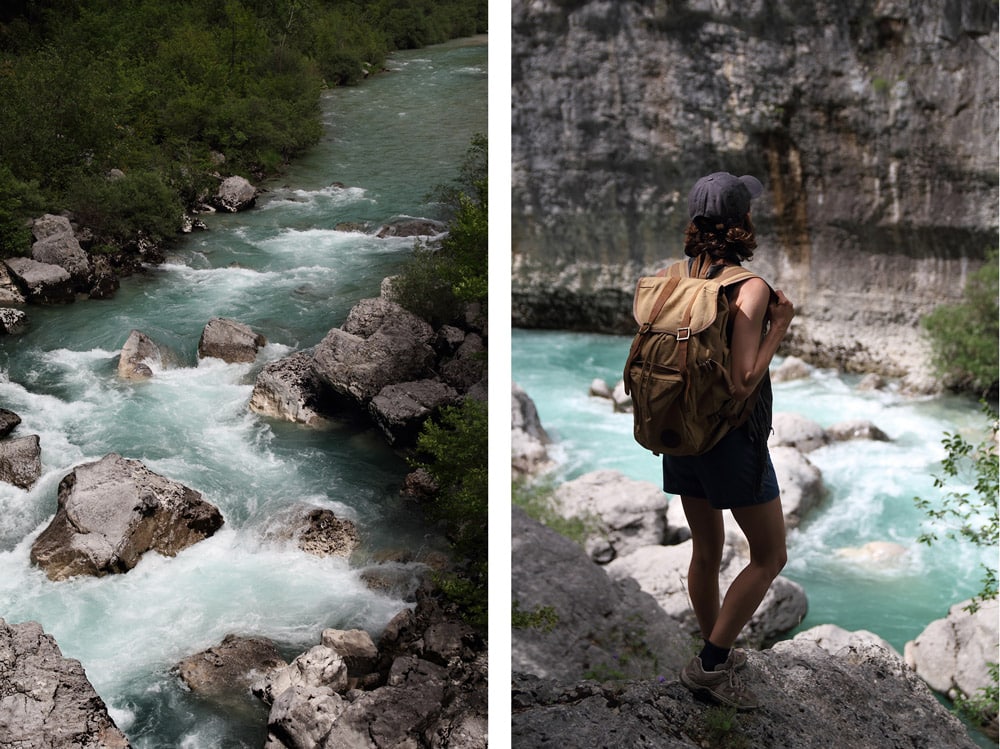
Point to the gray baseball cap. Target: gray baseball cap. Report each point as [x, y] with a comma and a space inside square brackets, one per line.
[723, 196]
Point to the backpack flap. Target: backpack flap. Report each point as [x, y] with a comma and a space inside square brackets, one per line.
[679, 310]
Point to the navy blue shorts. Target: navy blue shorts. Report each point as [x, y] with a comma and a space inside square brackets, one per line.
[727, 475]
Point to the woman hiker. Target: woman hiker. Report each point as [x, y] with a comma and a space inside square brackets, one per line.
[736, 474]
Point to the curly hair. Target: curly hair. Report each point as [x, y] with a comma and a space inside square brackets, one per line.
[720, 241]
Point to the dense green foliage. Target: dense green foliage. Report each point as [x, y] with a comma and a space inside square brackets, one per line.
[163, 90]
[964, 336]
[972, 516]
[454, 450]
[439, 282]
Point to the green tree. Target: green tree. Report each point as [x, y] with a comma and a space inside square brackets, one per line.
[453, 449]
[964, 335]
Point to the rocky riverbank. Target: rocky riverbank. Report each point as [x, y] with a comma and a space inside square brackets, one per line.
[873, 126]
[421, 682]
[603, 663]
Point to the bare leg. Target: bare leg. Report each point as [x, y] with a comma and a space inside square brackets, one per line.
[764, 526]
[707, 542]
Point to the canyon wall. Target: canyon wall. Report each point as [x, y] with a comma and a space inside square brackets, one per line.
[872, 123]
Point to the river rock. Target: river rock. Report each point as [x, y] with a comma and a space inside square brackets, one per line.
[43, 283]
[856, 429]
[230, 340]
[57, 244]
[528, 453]
[834, 639]
[409, 702]
[227, 671]
[235, 194]
[619, 513]
[861, 698]
[400, 410]
[795, 430]
[21, 461]
[9, 292]
[599, 389]
[46, 701]
[952, 654]
[875, 554]
[289, 389]
[9, 421]
[661, 571]
[136, 356]
[316, 530]
[467, 366]
[113, 511]
[379, 344]
[411, 227]
[792, 368]
[104, 281]
[12, 321]
[604, 626]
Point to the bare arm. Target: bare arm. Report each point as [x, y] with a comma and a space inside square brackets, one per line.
[752, 354]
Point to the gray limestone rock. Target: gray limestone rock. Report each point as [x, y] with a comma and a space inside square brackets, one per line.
[229, 340]
[21, 461]
[289, 389]
[400, 409]
[136, 355]
[235, 194]
[46, 701]
[43, 283]
[226, 672]
[602, 627]
[113, 511]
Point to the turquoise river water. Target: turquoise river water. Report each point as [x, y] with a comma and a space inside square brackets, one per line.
[871, 484]
[283, 269]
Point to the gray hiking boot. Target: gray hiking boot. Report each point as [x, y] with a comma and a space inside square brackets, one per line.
[722, 685]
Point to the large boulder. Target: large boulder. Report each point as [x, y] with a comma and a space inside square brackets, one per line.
[620, 514]
[834, 639]
[603, 626]
[798, 431]
[21, 461]
[528, 454]
[347, 692]
[861, 698]
[401, 409]
[229, 340]
[289, 389]
[57, 244]
[136, 355]
[46, 701]
[9, 421]
[42, 283]
[9, 291]
[226, 673]
[411, 227]
[952, 654]
[379, 344]
[113, 511]
[235, 194]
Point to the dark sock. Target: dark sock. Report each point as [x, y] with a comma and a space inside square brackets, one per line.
[712, 656]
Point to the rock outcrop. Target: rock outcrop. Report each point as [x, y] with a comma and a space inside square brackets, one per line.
[810, 700]
[113, 511]
[873, 125]
[226, 673]
[952, 654]
[41, 283]
[46, 701]
[56, 244]
[529, 455]
[424, 684]
[385, 364]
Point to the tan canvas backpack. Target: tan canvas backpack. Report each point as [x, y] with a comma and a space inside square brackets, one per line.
[677, 370]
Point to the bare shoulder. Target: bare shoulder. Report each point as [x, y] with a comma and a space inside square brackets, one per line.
[753, 292]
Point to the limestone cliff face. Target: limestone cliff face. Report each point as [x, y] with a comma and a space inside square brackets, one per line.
[872, 123]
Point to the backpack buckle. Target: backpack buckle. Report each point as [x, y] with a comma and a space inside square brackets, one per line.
[683, 334]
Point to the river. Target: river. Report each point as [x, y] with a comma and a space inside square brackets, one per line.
[287, 272]
[871, 485]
